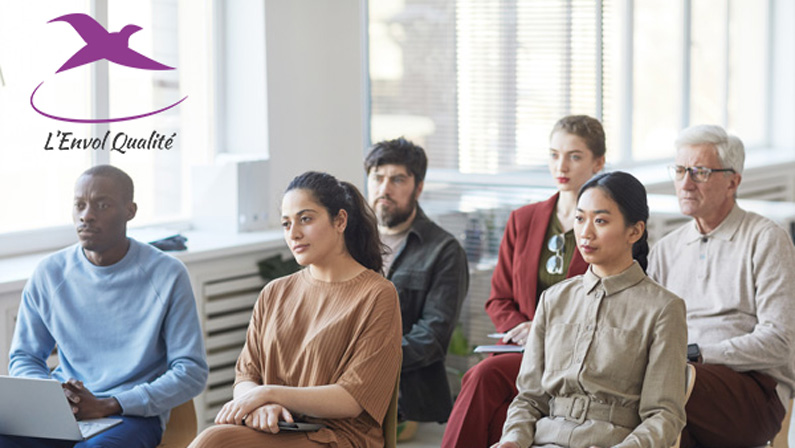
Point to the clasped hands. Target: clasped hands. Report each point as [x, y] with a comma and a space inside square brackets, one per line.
[253, 410]
[85, 405]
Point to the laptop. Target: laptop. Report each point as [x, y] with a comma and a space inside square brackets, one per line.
[38, 408]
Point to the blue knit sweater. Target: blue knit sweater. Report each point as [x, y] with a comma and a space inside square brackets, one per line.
[129, 330]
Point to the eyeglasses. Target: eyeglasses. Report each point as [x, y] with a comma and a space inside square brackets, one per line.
[698, 174]
[555, 262]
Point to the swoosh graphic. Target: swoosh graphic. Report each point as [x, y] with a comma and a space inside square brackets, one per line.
[103, 120]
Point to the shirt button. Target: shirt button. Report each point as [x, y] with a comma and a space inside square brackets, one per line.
[589, 327]
[579, 360]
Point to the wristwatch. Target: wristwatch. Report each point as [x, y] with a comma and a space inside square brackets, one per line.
[693, 353]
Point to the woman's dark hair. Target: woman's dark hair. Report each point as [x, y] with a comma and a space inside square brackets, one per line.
[585, 127]
[361, 233]
[630, 195]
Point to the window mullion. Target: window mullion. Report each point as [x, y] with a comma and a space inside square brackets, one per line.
[567, 85]
[770, 41]
[726, 66]
[100, 86]
[687, 21]
[628, 69]
[599, 60]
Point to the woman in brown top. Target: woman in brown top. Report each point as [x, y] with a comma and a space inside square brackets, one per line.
[323, 345]
[604, 364]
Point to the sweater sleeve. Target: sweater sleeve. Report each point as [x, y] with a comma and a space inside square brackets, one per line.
[501, 305]
[248, 366]
[187, 370]
[770, 343]
[32, 342]
[370, 374]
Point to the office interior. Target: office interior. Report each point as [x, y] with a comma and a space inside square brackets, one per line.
[274, 88]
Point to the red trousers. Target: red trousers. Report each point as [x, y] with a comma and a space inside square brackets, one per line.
[480, 409]
[729, 409]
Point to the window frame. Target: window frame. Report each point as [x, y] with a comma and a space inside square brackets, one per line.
[46, 239]
[538, 177]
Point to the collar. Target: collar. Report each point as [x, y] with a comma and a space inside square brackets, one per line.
[132, 253]
[725, 230]
[615, 283]
[421, 224]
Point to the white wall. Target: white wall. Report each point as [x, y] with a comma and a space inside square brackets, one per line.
[241, 70]
[316, 77]
[783, 107]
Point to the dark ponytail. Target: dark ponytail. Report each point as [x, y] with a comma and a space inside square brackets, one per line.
[640, 250]
[630, 196]
[361, 233]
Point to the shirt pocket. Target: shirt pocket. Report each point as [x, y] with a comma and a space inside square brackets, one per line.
[412, 287]
[618, 354]
[412, 280]
[559, 348]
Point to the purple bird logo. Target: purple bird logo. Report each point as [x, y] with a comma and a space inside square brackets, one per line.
[100, 44]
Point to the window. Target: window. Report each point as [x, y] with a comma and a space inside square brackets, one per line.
[480, 83]
[38, 183]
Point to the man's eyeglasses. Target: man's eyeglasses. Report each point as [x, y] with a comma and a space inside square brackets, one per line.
[555, 262]
[698, 174]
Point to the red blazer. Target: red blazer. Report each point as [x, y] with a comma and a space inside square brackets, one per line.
[515, 279]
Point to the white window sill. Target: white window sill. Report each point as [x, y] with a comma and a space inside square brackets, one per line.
[202, 245]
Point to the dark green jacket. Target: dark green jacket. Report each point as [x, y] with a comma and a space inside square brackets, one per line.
[431, 276]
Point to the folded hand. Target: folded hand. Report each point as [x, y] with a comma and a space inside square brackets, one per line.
[86, 405]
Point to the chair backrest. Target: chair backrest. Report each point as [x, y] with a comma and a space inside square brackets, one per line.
[391, 420]
[690, 381]
[181, 427]
[782, 438]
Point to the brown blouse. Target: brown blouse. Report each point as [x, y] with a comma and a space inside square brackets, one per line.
[306, 332]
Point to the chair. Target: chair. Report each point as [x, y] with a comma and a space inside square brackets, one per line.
[391, 418]
[181, 427]
[690, 381]
[782, 438]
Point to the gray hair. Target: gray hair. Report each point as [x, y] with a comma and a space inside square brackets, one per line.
[731, 151]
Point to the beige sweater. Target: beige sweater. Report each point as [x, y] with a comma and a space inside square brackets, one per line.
[739, 285]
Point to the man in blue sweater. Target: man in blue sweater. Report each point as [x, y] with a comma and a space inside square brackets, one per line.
[123, 318]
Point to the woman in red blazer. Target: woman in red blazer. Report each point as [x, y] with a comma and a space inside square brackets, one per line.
[538, 244]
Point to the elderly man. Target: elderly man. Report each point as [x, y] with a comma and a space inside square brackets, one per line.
[429, 269]
[123, 317]
[734, 269]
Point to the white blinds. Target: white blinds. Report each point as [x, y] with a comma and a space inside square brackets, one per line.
[481, 82]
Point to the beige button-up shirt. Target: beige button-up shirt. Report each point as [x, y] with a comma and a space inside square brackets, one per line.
[739, 285]
[617, 342]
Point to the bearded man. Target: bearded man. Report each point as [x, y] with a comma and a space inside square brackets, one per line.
[428, 267]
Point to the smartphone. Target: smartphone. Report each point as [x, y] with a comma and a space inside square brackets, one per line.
[299, 426]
